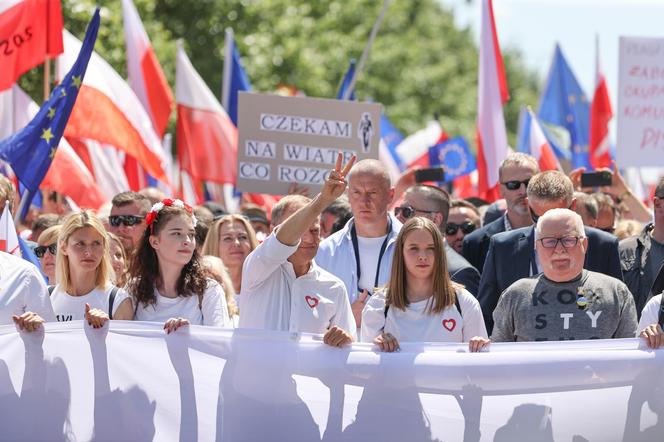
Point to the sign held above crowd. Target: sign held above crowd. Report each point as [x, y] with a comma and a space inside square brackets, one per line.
[285, 140]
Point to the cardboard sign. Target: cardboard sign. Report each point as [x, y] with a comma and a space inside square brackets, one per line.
[285, 140]
[641, 102]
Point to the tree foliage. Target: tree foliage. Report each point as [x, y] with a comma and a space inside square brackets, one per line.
[421, 65]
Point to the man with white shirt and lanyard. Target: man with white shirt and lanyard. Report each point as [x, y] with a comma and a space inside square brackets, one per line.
[282, 287]
[360, 254]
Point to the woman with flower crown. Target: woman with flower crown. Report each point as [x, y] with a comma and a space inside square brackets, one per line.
[166, 279]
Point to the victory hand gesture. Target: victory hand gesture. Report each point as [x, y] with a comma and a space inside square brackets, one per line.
[336, 181]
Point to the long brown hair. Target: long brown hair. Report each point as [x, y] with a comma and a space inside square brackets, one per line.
[444, 290]
[144, 268]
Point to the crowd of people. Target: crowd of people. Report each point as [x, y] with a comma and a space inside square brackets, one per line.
[363, 260]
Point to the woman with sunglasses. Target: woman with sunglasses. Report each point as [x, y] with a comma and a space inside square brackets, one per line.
[166, 278]
[231, 238]
[420, 302]
[84, 273]
[463, 219]
[47, 247]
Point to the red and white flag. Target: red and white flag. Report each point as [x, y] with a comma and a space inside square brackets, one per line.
[30, 32]
[539, 145]
[492, 94]
[108, 112]
[67, 174]
[600, 116]
[206, 136]
[8, 237]
[414, 149]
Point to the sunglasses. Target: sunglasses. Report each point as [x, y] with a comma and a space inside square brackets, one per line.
[514, 185]
[466, 228]
[408, 212]
[566, 241]
[126, 220]
[40, 251]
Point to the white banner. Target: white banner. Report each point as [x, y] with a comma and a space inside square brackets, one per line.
[136, 383]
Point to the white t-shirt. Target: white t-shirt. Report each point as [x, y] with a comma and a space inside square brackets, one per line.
[213, 310]
[369, 253]
[416, 325]
[274, 298]
[72, 308]
[22, 289]
[650, 313]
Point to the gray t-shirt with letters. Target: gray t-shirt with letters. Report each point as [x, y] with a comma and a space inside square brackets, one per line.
[593, 306]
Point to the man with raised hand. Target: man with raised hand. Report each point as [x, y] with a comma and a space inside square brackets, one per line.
[282, 286]
[360, 254]
[565, 302]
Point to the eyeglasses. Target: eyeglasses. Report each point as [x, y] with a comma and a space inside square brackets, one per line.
[126, 220]
[407, 211]
[40, 251]
[466, 228]
[514, 185]
[566, 241]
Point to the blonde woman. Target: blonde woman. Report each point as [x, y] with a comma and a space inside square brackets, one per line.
[118, 259]
[46, 251]
[421, 303]
[218, 272]
[84, 273]
[232, 239]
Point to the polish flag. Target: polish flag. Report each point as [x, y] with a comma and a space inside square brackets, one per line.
[67, 174]
[414, 149]
[30, 33]
[8, 237]
[108, 111]
[600, 116]
[492, 94]
[206, 136]
[146, 77]
[539, 145]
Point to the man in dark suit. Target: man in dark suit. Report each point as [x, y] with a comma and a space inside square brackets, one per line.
[511, 255]
[514, 173]
[434, 203]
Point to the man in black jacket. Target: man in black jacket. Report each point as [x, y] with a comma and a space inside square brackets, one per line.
[642, 257]
[512, 255]
[514, 173]
[434, 203]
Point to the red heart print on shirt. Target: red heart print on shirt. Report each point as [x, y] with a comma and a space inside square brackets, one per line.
[311, 301]
[449, 324]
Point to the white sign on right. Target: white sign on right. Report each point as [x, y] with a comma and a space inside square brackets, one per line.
[641, 102]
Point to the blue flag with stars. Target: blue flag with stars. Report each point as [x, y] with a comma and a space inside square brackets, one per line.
[454, 156]
[565, 113]
[30, 151]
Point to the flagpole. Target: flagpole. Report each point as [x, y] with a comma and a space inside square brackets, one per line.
[26, 199]
[367, 48]
[47, 78]
[228, 65]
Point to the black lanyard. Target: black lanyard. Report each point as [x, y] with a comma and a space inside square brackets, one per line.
[356, 249]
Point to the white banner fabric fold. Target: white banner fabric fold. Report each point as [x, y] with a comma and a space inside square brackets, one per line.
[133, 382]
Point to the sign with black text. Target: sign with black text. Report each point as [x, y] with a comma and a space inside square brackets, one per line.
[285, 140]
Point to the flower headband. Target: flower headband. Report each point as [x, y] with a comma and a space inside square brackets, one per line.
[167, 202]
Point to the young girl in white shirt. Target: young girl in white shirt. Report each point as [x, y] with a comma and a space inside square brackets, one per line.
[421, 303]
[166, 278]
[83, 273]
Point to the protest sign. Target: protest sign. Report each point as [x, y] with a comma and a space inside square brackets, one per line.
[641, 102]
[285, 140]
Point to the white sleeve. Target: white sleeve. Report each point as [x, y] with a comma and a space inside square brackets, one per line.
[471, 313]
[214, 307]
[650, 313]
[373, 317]
[344, 315]
[36, 298]
[264, 260]
[120, 296]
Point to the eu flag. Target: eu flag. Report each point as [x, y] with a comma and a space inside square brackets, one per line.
[454, 156]
[30, 151]
[235, 78]
[345, 83]
[564, 105]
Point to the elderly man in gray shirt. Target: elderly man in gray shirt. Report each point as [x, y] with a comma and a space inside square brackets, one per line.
[565, 302]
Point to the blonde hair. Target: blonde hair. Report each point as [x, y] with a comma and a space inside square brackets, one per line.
[49, 236]
[120, 280]
[71, 224]
[211, 245]
[444, 290]
[627, 228]
[217, 270]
